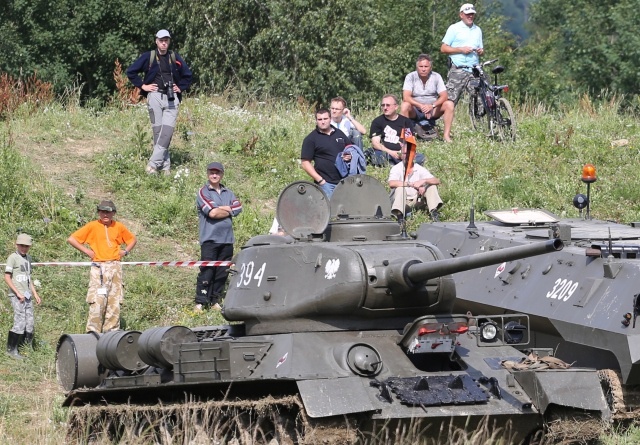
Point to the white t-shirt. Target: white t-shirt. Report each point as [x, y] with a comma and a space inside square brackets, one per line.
[417, 174]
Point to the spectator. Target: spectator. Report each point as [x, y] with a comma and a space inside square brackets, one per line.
[217, 205]
[342, 119]
[17, 275]
[320, 149]
[418, 189]
[105, 238]
[386, 133]
[424, 98]
[166, 77]
[463, 44]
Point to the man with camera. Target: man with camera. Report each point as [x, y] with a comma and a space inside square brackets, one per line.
[165, 76]
[463, 44]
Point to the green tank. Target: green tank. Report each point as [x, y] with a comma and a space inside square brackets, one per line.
[341, 330]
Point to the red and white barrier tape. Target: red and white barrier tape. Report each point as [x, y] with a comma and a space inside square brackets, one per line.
[144, 263]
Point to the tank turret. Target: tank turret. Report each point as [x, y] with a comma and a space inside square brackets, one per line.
[308, 286]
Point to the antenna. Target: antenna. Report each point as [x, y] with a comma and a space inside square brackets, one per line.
[472, 217]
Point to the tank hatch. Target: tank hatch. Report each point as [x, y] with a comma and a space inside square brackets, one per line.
[361, 211]
[360, 196]
[303, 210]
[522, 217]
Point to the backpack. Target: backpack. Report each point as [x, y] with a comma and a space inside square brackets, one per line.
[152, 58]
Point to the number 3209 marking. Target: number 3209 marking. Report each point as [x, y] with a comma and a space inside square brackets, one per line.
[562, 289]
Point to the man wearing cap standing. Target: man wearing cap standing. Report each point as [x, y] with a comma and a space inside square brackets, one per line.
[217, 205]
[166, 76]
[17, 275]
[104, 238]
[463, 44]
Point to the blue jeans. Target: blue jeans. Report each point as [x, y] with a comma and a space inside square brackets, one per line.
[328, 189]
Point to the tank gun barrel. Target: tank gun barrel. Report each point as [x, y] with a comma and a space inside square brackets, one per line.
[421, 272]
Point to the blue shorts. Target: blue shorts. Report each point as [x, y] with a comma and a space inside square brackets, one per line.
[422, 120]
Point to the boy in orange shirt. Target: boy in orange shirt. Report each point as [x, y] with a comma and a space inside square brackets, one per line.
[104, 238]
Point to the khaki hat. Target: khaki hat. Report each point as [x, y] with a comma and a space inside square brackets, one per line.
[24, 239]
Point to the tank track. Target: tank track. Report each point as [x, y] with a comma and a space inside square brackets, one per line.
[273, 421]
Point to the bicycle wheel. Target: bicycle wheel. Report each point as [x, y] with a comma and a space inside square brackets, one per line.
[477, 114]
[506, 120]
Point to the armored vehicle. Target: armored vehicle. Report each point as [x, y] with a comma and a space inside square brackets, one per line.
[341, 329]
[583, 302]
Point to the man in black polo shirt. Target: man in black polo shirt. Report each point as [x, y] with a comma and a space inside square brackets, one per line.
[322, 146]
[386, 133]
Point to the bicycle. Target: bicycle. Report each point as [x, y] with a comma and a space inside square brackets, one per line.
[486, 103]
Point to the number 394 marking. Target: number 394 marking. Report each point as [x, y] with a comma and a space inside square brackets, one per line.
[246, 274]
[562, 289]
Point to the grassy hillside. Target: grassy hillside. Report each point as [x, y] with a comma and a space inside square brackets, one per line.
[57, 163]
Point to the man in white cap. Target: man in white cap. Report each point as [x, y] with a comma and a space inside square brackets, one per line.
[463, 44]
[166, 76]
[22, 292]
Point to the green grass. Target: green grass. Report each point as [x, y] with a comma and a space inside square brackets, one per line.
[55, 165]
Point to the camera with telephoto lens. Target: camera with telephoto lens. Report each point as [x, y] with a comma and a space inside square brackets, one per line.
[170, 94]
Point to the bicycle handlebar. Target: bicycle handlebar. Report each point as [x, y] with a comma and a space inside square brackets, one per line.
[483, 64]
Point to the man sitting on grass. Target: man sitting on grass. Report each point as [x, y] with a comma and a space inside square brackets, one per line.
[425, 98]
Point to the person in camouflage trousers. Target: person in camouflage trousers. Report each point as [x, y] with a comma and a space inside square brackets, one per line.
[22, 292]
[105, 238]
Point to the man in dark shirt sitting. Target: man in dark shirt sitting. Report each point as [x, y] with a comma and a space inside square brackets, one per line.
[386, 133]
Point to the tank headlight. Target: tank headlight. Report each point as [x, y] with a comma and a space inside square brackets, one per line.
[514, 332]
[489, 331]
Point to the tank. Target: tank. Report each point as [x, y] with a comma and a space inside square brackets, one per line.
[582, 303]
[342, 329]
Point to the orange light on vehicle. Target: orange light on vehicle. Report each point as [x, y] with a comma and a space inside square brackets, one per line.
[424, 331]
[460, 329]
[506, 88]
[589, 173]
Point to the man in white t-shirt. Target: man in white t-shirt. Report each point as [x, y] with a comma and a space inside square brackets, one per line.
[419, 190]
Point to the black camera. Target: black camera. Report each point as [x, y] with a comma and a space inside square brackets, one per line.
[170, 94]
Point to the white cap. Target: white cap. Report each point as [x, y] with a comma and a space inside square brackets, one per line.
[467, 8]
[164, 33]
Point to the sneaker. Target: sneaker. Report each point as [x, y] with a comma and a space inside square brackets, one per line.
[150, 170]
[435, 216]
[198, 308]
[216, 307]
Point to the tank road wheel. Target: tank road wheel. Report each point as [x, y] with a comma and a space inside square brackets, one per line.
[612, 387]
[506, 120]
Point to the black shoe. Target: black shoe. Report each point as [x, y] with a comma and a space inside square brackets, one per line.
[419, 132]
[398, 216]
[435, 216]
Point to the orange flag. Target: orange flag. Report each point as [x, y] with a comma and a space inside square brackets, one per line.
[410, 140]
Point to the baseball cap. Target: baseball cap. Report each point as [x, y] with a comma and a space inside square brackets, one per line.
[107, 206]
[468, 8]
[24, 239]
[215, 166]
[162, 33]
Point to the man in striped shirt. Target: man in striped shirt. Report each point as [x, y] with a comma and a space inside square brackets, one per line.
[217, 205]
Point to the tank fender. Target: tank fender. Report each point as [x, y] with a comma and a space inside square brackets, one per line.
[573, 388]
[334, 397]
